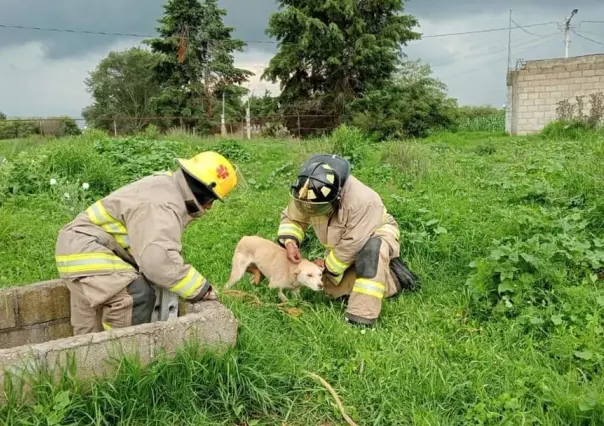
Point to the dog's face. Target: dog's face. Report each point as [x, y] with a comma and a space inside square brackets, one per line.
[310, 275]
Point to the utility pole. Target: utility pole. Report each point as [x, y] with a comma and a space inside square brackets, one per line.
[510, 42]
[567, 31]
[222, 122]
[248, 120]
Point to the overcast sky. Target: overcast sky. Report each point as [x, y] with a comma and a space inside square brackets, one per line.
[42, 73]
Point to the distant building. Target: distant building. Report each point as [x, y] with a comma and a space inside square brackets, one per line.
[535, 90]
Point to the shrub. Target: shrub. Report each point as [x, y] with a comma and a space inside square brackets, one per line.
[59, 126]
[572, 122]
[232, 150]
[350, 143]
[137, 157]
[411, 105]
[151, 132]
[14, 129]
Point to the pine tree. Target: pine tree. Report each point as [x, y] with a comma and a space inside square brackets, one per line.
[331, 52]
[197, 63]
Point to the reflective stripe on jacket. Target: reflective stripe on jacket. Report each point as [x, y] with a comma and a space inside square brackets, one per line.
[136, 228]
[361, 215]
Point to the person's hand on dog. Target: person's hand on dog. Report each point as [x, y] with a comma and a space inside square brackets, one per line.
[293, 253]
[320, 263]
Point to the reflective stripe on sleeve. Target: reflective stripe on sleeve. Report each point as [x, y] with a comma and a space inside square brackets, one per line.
[369, 288]
[291, 230]
[90, 263]
[335, 265]
[99, 216]
[192, 282]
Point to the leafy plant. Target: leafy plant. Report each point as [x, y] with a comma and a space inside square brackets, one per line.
[350, 143]
[233, 150]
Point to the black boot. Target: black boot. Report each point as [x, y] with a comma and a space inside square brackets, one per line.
[404, 278]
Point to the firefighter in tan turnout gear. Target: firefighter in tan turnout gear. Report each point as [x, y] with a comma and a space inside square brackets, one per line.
[362, 263]
[110, 254]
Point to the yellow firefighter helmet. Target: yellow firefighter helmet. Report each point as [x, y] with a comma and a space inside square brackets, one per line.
[213, 170]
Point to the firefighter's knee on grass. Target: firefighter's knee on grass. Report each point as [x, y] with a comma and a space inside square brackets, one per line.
[369, 288]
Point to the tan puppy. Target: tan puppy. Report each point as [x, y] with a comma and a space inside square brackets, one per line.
[261, 256]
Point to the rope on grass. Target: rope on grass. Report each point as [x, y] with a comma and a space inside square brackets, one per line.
[334, 396]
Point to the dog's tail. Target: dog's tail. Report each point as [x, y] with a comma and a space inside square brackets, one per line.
[237, 270]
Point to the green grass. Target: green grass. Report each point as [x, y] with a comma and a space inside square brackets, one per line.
[454, 353]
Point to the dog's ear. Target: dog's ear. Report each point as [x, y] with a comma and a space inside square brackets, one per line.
[297, 270]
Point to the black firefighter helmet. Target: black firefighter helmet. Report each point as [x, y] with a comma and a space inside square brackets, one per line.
[319, 184]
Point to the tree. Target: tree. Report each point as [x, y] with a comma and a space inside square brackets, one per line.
[265, 108]
[332, 52]
[197, 63]
[410, 105]
[123, 85]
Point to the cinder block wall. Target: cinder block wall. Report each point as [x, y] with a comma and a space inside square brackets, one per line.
[534, 92]
[34, 314]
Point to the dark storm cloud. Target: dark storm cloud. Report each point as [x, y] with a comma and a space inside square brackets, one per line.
[453, 9]
[43, 72]
[249, 17]
[122, 16]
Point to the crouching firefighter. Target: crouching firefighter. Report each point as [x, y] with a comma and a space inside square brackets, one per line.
[113, 254]
[362, 264]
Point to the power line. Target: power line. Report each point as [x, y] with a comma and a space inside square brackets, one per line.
[489, 30]
[526, 44]
[498, 48]
[139, 35]
[527, 31]
[587, 38]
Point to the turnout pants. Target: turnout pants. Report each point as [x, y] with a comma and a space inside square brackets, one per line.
[377, 273]
[131, 306]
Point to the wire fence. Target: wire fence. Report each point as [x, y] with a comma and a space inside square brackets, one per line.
[291, 125]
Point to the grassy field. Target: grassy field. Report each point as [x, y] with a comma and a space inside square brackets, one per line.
[506, 233]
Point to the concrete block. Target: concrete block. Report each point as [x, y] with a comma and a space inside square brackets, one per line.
[22, 336]
[48, 339]
[96, 354]
[523, 96]
[562, 87]
[587, 86]
[198, 327]
[44, 302]
[540, 101]
[210, 324]
[577, 73]
[588, 73]
[527, 77]
[7, 310]
[538, 114]
[19, 365]
[562, 75]
[593, 79]
[59, 330]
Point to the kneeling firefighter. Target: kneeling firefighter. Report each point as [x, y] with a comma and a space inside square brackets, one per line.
[112, 254]
[362, 262]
